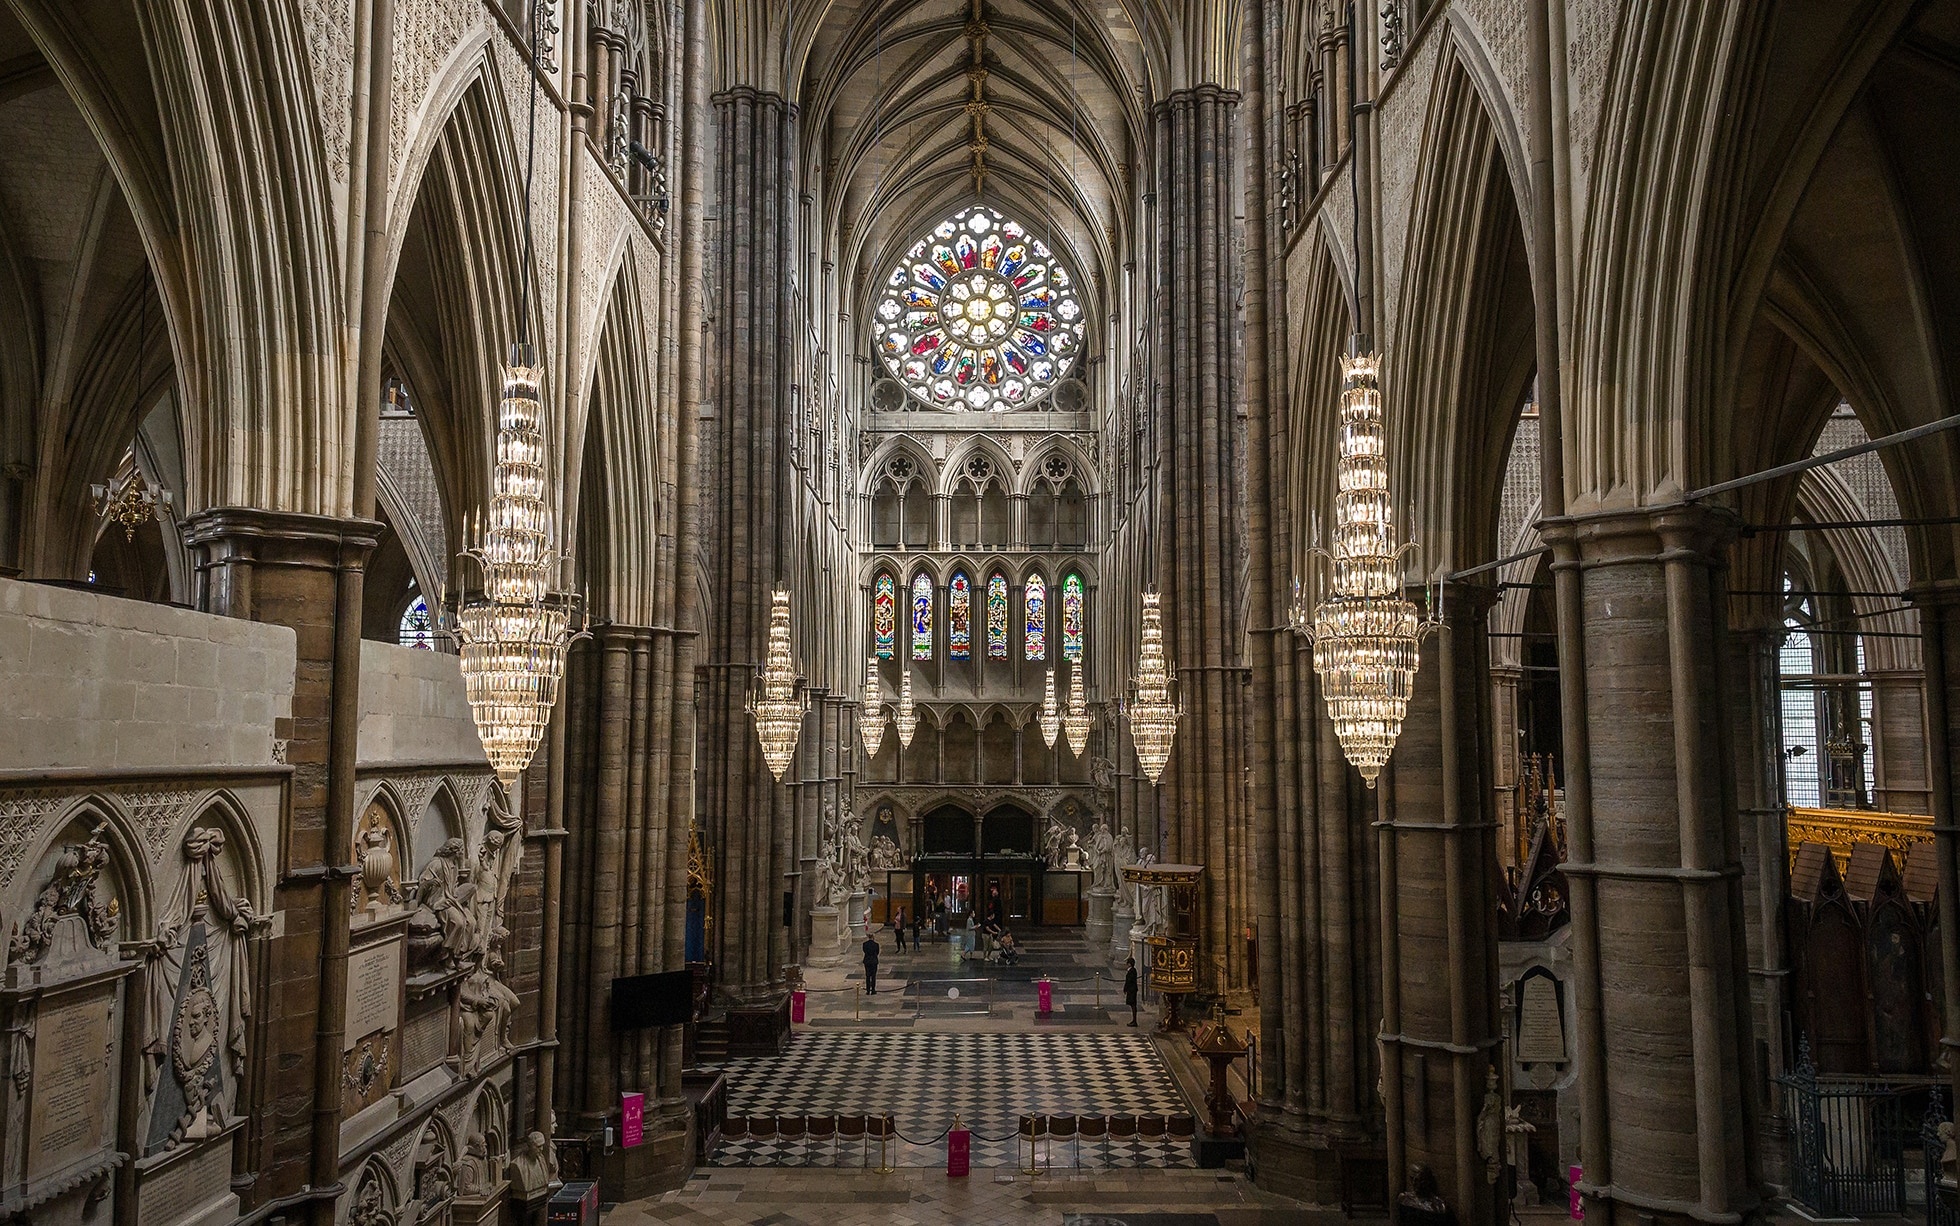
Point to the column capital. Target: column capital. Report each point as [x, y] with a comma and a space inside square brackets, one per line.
[1644, 534]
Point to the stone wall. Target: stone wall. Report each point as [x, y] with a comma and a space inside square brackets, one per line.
[413, 709]
[101, 683]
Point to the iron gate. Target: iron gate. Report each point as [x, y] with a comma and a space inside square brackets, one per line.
[1848, 1143]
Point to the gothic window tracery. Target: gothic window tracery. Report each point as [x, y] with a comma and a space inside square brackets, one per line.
[979, 316]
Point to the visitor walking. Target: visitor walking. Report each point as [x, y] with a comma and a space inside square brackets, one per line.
[1130, 989]
[870, 963]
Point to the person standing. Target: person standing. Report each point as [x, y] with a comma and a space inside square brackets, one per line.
[918, 931]
[870, 963]
[898, 926]
[1130, 989]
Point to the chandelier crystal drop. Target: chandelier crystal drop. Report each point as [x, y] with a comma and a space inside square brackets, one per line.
[513, 639]
[1075, 719]
[777, 708]
[905, 719]
[1366, 635]
[1152, 713]
[871, 709]
[1050, 722]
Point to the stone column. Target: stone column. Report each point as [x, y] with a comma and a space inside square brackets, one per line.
[1939, 628]
[1435, 839]
[746, 815]
[621, 843]
[1666, 1055]
[304, 572]
[1199, 562]
[1754, 716]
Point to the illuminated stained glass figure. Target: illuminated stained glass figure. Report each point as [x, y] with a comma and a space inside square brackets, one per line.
[1035, 647]
[884, 615]
[418, 629]
[979, 316]
[1072, 618]
[997, 617]
[959, 618]
[922, 617]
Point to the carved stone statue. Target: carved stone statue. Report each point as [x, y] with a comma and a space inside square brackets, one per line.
[71, 890]
[533, 1166]
[195, 1015]
[1949, 1152]
[1490, 1128]
[1123, 854]
[496, 863]
[1102, 774]
[1102, 858]
[857, 860]
[442, 932]
[1517, 1135]
[1052, 842]
[885, 854]
[375, 853]
[1150, 910]
[370, 1204]
[1073, 856]
[473, 1174]
[484, 1006]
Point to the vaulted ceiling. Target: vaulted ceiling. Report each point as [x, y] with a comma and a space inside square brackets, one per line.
[888, 124]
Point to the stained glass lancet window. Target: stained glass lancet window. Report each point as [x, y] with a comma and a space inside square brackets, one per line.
[979, 315]
[1072, 618]
[922, 617]
[418, 629]
[1036, 645]
[959, 618]
[997, 617]
[884, 615]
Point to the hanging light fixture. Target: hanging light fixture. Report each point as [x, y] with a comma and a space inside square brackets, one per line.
[775, 704]
[1050, 722]
[512, 639]
[871, 709]
[1075, 718]
[905, 718]
[1152, 713]
[1366, 635]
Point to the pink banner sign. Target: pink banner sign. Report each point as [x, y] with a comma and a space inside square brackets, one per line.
[632, 1119]
[1578, 1206]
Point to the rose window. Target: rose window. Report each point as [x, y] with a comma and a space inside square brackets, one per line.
[980, 316]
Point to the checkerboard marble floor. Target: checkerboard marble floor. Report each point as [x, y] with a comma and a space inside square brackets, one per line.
[785, 1197]
[925, 1080]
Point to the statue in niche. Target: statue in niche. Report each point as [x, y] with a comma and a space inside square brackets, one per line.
[485, 1005]
[1102, 858]
[1053, 840]
[71, 890]
[375, 852]
[442, 932]
[473, 1174]
[1102, 776]
[857, 858]
[496, 864]
[194, 1020]
[371, 1203]
[885, 854]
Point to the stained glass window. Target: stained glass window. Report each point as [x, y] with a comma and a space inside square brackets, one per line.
[922, 617]
[997, 617]
[959, 618]
[1036, 645]
[418, 629]
[1072, 617]
[979, 315]
[884, 615]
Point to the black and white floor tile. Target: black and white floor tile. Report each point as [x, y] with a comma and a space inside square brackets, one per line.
[925, 1080]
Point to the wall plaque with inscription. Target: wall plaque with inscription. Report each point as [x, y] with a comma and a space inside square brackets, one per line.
[193, 1185]
[1541, 1031]
[72, 1107]
[374, 990]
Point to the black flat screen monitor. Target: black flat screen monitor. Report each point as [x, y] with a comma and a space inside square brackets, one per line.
[641, 1001]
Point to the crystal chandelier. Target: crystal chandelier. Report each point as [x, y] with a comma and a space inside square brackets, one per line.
[1152, 713]
[777, 708]
[512, 640]
[904, 718]
[1050, 722]
[871, 709]
[1075, 718]
[1365, 635]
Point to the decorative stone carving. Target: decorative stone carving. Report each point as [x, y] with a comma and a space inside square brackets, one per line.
[533, 1166]
[366, 1067]
[1124, 853]
[834, 881]
[377, 853]
[442, 933]
[1052, 841]
[1073, 857]
[485, 1006]
[885, 854]
[1102, 858]
[194, 1023]
[372, 1205]
[71, 891]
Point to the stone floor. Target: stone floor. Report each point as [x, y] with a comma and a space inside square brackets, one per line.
[935, 989]
[929, 1198]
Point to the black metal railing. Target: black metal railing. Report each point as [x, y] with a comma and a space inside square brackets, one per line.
[1848, 1143]
[1942, 1206]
